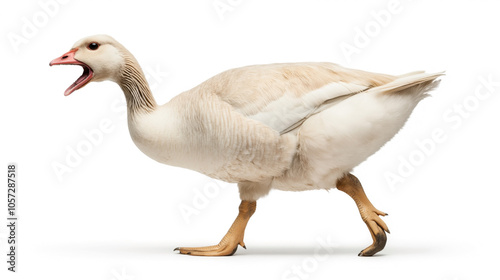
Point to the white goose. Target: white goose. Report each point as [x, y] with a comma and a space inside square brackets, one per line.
[292, 126]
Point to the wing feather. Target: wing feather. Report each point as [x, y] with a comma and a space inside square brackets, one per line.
[282, 96]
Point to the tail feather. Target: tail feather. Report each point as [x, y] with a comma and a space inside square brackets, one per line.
[426, 80]
[414, 84]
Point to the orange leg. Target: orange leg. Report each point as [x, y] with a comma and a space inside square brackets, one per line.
[234, 237]
[370, 215]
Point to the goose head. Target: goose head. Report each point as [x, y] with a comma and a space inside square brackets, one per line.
[101, 57]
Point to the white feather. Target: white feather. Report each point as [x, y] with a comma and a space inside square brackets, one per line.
[288, 110]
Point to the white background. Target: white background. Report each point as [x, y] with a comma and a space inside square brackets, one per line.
[117, 214]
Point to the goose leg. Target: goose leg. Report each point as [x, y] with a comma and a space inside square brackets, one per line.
[234, 237]
[370, 215]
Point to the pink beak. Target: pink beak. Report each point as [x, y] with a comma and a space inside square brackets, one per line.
[69, 58]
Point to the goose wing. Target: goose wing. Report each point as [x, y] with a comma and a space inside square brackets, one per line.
[282, 96]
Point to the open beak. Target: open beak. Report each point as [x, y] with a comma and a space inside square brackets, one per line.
[69, 58]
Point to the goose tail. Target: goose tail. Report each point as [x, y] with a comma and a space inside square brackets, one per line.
[415, 83]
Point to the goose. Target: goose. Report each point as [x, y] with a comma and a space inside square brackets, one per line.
[285, 126]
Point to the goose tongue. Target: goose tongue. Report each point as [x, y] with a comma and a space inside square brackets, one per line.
[69, 58]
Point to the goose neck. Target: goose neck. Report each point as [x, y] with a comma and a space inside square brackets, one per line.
[136, 88]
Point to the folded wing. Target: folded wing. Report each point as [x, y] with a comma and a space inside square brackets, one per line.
[282, 96]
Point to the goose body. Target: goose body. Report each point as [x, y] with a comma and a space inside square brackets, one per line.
[239, 125]
[288, 126]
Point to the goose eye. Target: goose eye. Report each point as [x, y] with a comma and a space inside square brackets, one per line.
[93, 46]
